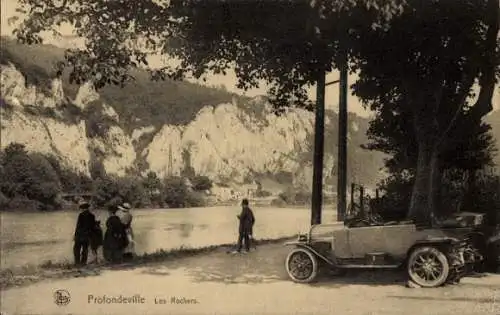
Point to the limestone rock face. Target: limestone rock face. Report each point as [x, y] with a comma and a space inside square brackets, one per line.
[86, 95]
[67, 141]
[49, 136]
[229, 142]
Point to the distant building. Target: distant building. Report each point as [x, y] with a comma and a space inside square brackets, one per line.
[250, 190]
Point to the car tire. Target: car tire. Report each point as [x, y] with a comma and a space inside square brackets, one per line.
[298, 258]
[428, 267]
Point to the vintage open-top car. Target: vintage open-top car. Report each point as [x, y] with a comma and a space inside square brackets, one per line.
[431, 256]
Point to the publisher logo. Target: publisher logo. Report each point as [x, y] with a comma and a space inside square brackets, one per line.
[62, 297]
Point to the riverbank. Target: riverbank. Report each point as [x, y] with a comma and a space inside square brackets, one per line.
[233, 203]
[255, 283]
[32, 273]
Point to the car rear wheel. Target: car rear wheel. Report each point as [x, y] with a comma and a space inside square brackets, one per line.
[301, 265]
[428, 267]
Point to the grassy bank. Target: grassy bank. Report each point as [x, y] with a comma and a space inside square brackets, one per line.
[28, 274]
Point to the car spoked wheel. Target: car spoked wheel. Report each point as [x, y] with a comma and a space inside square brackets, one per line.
[428, 267]
[301, 265]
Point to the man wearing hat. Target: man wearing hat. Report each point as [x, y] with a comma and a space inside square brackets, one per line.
[83, 231]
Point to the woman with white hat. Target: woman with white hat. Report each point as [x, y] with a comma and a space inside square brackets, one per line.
[115, 238]
[126, 218]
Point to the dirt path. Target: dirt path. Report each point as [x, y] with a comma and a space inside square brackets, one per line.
[256, 283]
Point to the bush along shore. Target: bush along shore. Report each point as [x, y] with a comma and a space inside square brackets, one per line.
[29, 274]
[34, 181]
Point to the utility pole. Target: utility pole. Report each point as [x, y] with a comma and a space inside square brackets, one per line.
[319, 143]
[342, 141]
[319, 125]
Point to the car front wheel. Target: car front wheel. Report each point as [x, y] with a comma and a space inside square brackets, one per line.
[301, 265]
[428, 267]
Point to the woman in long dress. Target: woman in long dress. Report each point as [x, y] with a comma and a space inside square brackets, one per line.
[126, 218]
[115, 238]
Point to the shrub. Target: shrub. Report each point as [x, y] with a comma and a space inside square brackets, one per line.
[283, 177]
[395, 201]
[262, 193]
[194, 199]
[131, 190]
[176, 194]
[21, 203]
[294, 197]
[278, 202]
[33, 181]
[175, 191]
[201, 183]
[486, 196]
[29, 176]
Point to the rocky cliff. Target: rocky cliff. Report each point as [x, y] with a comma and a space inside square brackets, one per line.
[226, 137]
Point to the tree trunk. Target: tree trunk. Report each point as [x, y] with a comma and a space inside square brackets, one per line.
[435, 185]
[469, 191]
[425, 194]
[420, 202]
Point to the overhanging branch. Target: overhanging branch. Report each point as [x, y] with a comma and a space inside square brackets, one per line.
[332, 82]
[487, 80]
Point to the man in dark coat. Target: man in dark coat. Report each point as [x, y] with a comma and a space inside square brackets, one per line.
[247, 221]
[83, 231]
[115, 238]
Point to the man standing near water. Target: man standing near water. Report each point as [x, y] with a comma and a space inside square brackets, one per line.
[247, 221]
[84, 228]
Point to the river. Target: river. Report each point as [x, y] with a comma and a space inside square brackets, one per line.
[33, 238]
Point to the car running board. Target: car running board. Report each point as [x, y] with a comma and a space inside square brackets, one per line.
[368, 266]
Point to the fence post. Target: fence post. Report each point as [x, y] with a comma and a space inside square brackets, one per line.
[353, 186]
[362, 201]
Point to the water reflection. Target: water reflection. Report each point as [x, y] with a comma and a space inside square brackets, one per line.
[36, 237]
[185, 229]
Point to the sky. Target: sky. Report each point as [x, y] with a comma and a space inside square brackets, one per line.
[229, 80]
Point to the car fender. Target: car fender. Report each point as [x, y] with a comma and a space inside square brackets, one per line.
[312, 250]
[433, 241]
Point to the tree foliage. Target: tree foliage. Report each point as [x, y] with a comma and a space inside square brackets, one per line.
[201, 183]
[28, 175]
[34, 180]
[275, 41]
[419, 57]
[420, 82]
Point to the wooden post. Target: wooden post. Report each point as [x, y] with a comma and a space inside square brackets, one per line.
[319, 137]
[342, 140]
[353, 187]
[362, 201]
